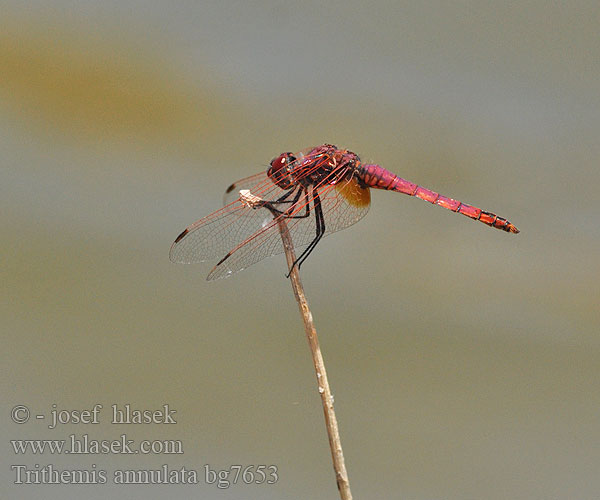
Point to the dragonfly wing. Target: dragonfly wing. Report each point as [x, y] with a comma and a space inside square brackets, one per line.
[230, 227]
[256, 183]
[264, 243]
[214, 235]
[343, 204]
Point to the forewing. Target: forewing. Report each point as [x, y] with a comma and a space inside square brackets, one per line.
[264, 243]
[261, 185]
[229, 227]
[214, 235]
[253, 183]
[343, 204]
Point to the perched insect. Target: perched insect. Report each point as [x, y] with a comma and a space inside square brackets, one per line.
[317, 191]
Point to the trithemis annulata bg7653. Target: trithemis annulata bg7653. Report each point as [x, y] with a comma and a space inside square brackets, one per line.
[317, 191]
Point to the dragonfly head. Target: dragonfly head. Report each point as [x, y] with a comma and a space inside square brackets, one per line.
[280, 170]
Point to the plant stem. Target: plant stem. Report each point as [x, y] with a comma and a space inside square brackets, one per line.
[335, 443]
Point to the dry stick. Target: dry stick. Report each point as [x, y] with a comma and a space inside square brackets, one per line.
[326, 398]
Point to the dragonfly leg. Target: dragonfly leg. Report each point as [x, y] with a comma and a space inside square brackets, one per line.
[277, 212]
[286, 195]
[320, 230]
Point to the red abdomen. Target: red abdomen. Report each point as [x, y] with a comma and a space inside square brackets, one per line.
[377, 177]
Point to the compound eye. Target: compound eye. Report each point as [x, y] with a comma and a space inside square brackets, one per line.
[279, 171]
[280, 162]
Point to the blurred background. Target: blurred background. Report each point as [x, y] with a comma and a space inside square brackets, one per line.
[464, 360]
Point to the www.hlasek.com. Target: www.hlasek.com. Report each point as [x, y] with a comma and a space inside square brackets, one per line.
[84, 445]
[221, 478]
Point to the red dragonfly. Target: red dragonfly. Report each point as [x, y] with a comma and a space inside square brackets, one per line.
[317, 191]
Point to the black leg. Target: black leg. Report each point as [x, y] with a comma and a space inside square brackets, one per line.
[276, 211]
[284, 197]
[320, 230]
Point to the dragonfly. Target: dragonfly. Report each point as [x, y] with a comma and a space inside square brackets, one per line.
[315, 192]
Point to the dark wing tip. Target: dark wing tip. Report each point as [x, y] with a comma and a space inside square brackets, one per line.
[181, 236]
[230, 189]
